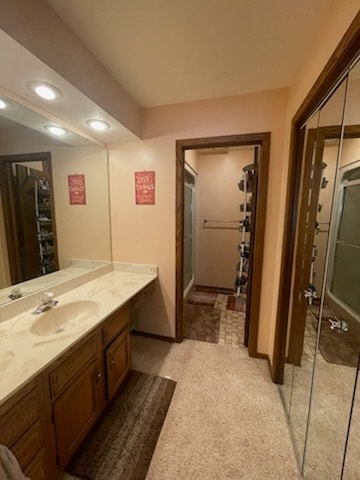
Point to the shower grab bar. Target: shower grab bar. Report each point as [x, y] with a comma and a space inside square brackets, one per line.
[341, 242]
[221, 221]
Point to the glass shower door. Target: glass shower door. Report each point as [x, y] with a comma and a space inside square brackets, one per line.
[188, 268]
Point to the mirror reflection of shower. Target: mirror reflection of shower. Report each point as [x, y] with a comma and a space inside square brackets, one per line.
[342, 289]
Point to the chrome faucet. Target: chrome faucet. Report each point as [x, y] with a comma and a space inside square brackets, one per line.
[47, 302]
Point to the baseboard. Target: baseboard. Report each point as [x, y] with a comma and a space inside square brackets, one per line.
[153, 335]
[226, 291]
[265, 356]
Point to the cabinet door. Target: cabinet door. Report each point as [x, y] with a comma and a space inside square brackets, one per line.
[117, 362]
[36, 469]
[77, 409]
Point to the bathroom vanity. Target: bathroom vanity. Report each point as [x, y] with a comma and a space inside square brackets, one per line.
[62, 367]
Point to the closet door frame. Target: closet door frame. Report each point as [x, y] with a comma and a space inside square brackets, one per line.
[343, 56]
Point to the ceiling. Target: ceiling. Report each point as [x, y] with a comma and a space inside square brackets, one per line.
[171, 51]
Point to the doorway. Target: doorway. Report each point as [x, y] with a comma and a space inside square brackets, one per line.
[260, 142]
[29, 216]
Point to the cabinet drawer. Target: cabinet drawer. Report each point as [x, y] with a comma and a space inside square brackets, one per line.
[36, 470]
[137, 300]
[19, 417]
[115, 324]
[73, 365]
[28, 445]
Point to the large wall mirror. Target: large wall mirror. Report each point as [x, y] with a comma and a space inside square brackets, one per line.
[322, 353]
[41, 230]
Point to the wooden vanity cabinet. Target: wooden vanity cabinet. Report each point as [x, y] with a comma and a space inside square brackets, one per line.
[138, 299]
[116, 341]
[77, 385]
[45, 423]
[117, 362]
[22, 430]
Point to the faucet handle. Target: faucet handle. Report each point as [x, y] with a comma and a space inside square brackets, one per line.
[47, 297]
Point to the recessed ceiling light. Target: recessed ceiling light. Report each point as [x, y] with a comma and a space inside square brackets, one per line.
[56, 130]
[99, 125]
[3, 104]
[44, 90]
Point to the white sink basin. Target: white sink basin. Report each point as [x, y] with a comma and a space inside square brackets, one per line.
[63, 318]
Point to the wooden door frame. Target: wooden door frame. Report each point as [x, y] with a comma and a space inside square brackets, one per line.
[345, 53]
[252, 139]
[9, 207]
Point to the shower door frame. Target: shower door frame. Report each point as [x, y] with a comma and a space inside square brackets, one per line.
[263, 141]
[193, 190]
[342, 58]
[339, 195]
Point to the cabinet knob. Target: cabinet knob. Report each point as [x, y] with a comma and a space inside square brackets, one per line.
[113, 362]
[98, 376]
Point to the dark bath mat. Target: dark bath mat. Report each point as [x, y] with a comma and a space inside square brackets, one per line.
[238, 304]
[201, 323]
[121, 444]
[339, 348]
[206, 299]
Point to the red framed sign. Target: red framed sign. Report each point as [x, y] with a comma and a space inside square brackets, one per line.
[76, 184]
[145, 188]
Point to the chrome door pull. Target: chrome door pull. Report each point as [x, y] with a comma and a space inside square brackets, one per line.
[310, 294]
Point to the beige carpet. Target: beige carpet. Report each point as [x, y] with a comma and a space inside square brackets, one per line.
[331, 403]
[225, 421]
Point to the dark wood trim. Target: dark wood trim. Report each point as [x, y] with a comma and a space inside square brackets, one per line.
[263, 356]
[9, 207]
[305, 241]
[153, 335]
[258, 235]
[343, 56]
[263, 140]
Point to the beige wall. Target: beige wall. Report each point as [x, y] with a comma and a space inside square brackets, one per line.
[350, 151]
[83, 231]
[219, 198]
[191, 159]
[146, 234]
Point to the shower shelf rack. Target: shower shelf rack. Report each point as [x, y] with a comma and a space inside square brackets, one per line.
[245, 185]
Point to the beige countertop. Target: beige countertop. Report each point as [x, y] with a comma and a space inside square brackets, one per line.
[23, 354]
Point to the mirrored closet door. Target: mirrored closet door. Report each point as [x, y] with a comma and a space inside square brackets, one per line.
[323, 341]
